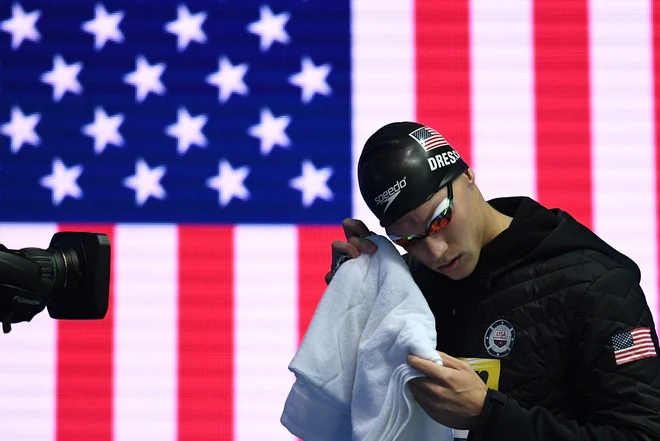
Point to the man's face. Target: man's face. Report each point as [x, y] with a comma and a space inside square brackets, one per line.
[453, 250]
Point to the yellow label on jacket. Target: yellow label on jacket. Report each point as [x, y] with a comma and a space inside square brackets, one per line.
[488, 369]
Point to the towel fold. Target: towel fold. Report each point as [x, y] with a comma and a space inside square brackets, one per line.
[351, 370]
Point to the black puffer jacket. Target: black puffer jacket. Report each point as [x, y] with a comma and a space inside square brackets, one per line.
[549, 302]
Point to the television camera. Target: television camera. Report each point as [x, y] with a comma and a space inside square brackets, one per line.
[71, 278]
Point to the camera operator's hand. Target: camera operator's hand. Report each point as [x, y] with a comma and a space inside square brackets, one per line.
[355, 232]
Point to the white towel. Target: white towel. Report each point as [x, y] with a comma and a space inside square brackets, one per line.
[351, 370]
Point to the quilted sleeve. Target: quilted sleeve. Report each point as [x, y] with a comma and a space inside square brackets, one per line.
[614, 374]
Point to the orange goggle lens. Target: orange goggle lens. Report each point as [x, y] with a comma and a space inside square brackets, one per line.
[437, 223]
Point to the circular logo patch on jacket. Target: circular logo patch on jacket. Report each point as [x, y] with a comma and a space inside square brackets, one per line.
[499, 338]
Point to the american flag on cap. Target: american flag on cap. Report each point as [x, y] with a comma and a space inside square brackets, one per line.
[429, 138]
[633, 345]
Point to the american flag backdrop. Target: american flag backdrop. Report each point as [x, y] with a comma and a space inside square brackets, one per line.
[216, 143]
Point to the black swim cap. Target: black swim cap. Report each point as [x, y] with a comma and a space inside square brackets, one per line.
[402, 166]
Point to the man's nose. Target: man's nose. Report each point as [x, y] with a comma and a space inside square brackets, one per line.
[436, 247]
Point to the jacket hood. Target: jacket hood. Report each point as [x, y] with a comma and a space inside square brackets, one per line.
[537, 233]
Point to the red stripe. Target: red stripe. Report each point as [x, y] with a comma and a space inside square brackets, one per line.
[636, 350]
[84, 368]
[646, 340]
[638, 347]
[563, 137]
[205, 377]
[638, 357]
[442, 66]
[638, 331]
[635, 353]
[433, 144]
[314, 254]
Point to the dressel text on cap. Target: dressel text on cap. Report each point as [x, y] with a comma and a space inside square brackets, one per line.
[442, 160]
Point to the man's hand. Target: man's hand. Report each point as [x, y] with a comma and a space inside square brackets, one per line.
[355, 232]
[452, 394]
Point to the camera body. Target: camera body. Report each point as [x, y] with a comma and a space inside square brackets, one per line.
[71, 278]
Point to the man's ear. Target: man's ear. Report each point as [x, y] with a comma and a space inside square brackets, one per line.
[470, 175]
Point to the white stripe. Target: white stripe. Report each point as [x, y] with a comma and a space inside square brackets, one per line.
[636, 350]
[641, 334]
[647, 350]
[636, 357]
[638, 345]
[29, 357]
[265, 328]
[145, 314]
[503, 129]
[383, 63]
[623, 153]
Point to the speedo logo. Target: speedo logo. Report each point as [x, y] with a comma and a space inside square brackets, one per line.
[388, 196]
[26, 301]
